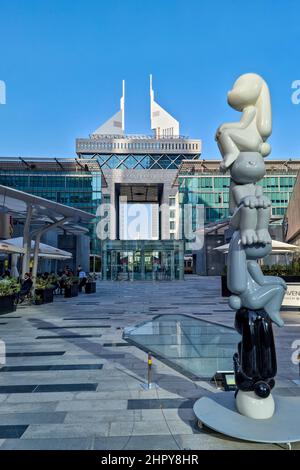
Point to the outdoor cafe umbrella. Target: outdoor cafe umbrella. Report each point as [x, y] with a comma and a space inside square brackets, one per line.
[45, 251]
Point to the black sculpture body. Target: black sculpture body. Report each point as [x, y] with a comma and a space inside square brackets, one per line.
[256, 298]
[255, 363]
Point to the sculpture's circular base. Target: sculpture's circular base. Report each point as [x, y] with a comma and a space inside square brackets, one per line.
[219, 412]
[250, 405]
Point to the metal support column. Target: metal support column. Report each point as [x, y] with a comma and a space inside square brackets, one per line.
[142, 262]
[173, 274]
[38, 236]
[104, 264]
[26, 241]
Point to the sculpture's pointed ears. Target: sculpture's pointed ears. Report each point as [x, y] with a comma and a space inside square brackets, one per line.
[264, 113]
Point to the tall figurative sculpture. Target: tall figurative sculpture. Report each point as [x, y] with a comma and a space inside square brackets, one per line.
[256, 298]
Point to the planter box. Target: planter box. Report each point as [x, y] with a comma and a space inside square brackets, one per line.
[7, 304]
[46, 295]
[71, 291]
[90, 288]
[289, 279]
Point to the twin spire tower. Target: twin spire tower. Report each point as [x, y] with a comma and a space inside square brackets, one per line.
[162, 123]
[116, 124]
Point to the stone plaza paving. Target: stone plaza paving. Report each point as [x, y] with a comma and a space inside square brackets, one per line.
[71, 381]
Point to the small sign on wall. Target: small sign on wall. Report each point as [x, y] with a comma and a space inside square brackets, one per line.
[292, 296]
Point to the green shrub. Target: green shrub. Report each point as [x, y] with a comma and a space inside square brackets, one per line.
[43, 283]
[292, 269]
[9, 287]
[71, 281]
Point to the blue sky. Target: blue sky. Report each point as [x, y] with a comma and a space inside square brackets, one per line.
[63, 62]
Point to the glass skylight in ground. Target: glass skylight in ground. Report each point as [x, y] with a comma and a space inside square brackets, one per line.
[195, 347]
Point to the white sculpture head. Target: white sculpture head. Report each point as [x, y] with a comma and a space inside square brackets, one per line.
[251, 90]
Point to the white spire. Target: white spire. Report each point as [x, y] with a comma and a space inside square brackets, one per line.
[122, 105]
[116, 124]
[2, 92]
[162, 122]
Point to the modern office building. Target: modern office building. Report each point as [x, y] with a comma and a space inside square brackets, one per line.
[201, 183]
[63, 180]
[137, 186]
[291, 225]
[139, 200]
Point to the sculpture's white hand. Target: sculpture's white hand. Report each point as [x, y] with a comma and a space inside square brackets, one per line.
[264, 202]
[251, 201]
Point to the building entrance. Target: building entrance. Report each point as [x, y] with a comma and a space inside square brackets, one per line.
[142, 260]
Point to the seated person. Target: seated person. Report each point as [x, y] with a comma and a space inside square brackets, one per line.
[25, 287]
[82, 278]
[62, 281]
[6, 274]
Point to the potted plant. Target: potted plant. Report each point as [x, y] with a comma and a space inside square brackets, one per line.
[90, 287]
[71, 286]
[43, 291]
[9, 289]
[38, 298]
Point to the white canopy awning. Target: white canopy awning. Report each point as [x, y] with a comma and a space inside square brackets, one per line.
[45, 251]
[57, 256]
[11, 248]
[277, 248]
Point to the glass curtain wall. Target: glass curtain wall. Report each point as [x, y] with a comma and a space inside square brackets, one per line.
[213, 192]
[81, 190]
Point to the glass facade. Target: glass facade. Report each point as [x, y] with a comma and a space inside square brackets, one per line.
[78, 184]
[137, 161]
[212, 191]
[79, 189]
[146, 260]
